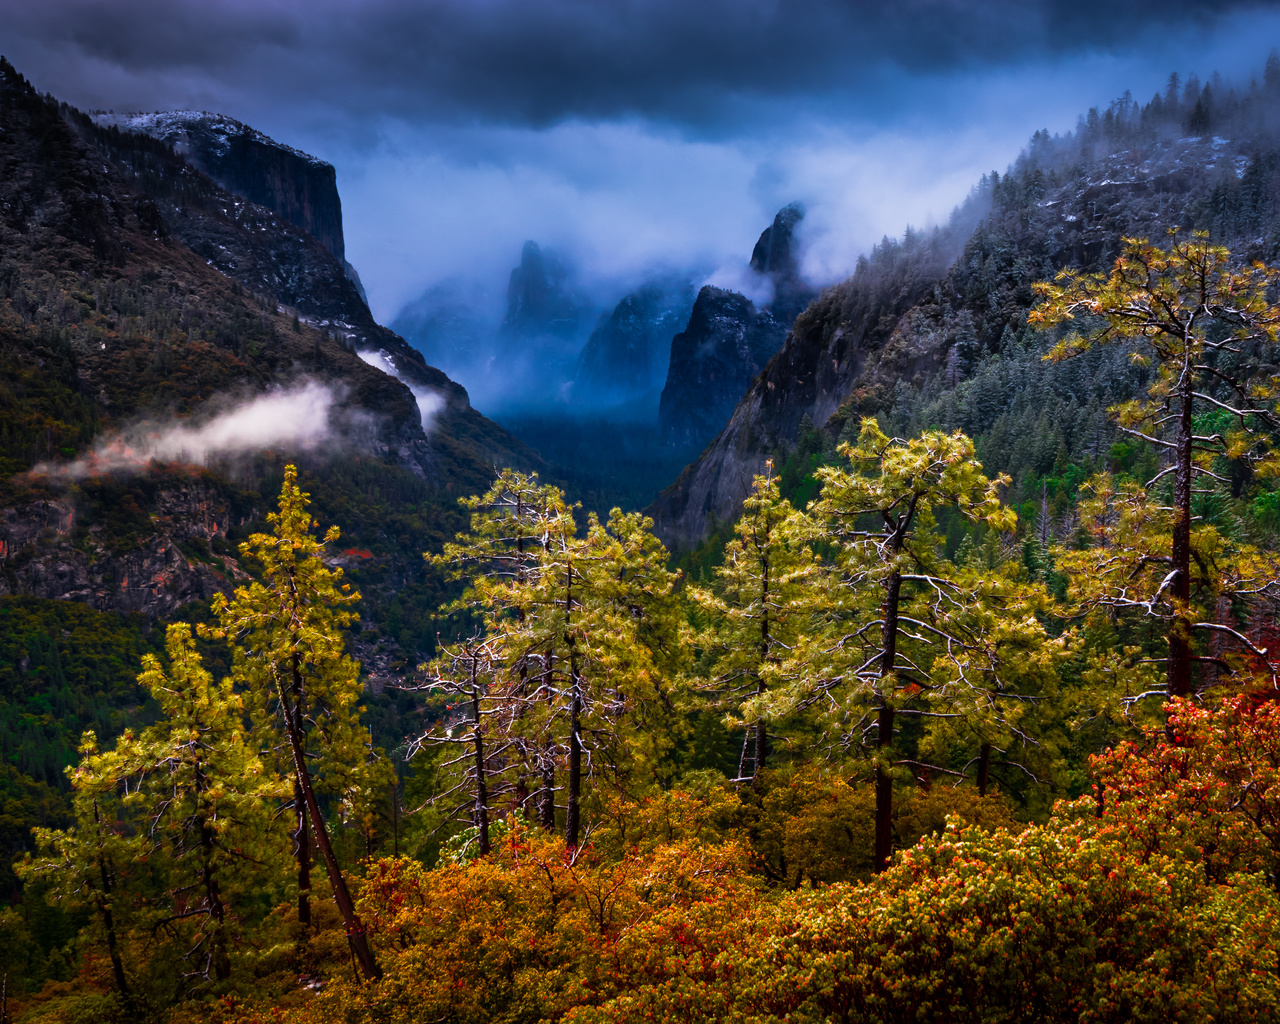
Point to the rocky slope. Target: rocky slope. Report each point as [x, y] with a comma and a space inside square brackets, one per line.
[921, 316]
[288, 267]
[133, 287]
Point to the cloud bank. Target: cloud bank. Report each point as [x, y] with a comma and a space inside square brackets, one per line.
[296, 419]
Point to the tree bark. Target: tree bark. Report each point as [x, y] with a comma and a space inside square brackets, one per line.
[547, 798]
[1180, 589]
[884, 723]
[766, 649]
[761, 739]
[303, 854]
[212, 894]
[480, 816]
[572, 822]
[108, 919]
[984, 768]
[357, 935]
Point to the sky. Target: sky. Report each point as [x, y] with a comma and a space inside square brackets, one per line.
[630, 135]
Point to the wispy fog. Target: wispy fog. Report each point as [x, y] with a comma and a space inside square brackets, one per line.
[429, 403]
[297, 419]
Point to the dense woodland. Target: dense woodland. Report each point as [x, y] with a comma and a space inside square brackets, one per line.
[862, 771]
[969, 715]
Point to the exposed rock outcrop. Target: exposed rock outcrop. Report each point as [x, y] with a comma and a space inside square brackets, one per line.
[46, 551]
[540, 302]
[777, 257]
[286, 265]
[299, 187]
[728, 339]
[726, 343]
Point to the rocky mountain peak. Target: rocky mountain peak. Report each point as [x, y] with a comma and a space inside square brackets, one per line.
[298, 186]
[726, 343]
[777, 257]
[775, 252]
[539, 300]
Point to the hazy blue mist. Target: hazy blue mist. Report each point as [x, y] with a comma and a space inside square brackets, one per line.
[630, 136]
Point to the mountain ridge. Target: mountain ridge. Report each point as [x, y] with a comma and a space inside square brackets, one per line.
[922, 314]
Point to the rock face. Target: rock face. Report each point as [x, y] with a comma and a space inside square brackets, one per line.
[627, 356]
[810, 375]
[299, 187]
[290, 269]
[45, 552]
[530, 361]
[540, 302]
[777, 257]
[726, 343]
[728, 340]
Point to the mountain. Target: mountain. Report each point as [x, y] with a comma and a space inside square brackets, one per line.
[628, 354]
[725, 344]
[931, 330]
[141, 300]
[776, 256]
[728, 340]
[301, 188]
[540, 301]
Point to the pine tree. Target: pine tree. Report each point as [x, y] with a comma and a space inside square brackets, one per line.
[287, 645]
[582, 627]
[201, 793]
[1211, 331]
[93, 864]
[758, 612]
[889, 597]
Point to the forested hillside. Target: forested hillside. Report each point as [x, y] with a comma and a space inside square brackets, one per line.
[114, 331]
[931, 329]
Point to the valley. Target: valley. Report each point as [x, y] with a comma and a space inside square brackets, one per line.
[710, 641]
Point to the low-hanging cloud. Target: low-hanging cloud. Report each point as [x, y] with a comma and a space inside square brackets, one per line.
[429, 402]
[297, 419]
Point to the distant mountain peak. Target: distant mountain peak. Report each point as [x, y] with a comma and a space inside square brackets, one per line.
[775, 252]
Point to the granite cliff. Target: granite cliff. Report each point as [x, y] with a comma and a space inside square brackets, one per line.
[728, 339]
[299, 187]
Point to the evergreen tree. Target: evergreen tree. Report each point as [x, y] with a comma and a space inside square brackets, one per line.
[287, 645]
[1211, 331]
[199, 792]
[891, 603]
[582, 625]
[758, 612]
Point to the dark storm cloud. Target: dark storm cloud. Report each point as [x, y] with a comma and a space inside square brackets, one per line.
[541, 61]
